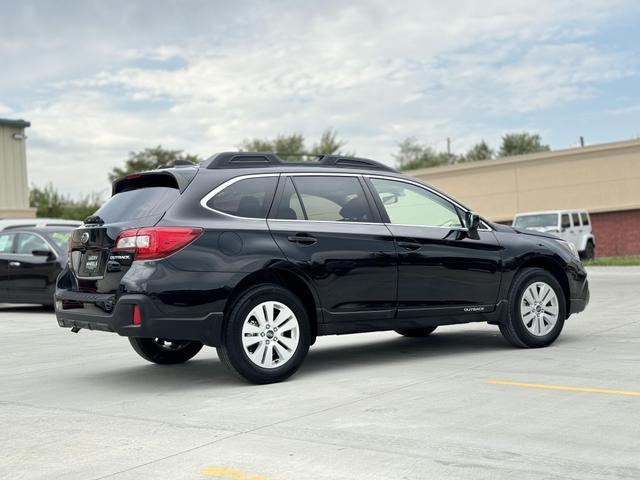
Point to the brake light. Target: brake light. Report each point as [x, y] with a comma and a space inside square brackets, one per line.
[137, 317]
[156, 242]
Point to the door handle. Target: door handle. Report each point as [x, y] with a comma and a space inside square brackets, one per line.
[14, 264]
[408, 245]
[302, 238]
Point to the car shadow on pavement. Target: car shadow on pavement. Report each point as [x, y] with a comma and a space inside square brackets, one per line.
[207, 372]
[398, 349]
[14, 308]
[195, 374]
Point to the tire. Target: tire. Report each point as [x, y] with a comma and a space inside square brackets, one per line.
[526, 326]
[416, 332]
[589, 252]
[165, 352]
[273, 356]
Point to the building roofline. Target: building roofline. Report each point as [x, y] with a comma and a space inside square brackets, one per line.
[531, 157]
[5, 122]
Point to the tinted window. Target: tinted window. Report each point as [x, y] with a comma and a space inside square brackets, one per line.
[576, 219]
[332, 198]
[139, 203]
[412, 205]
[537, 221]
[249, 198]
[565, 221]
[27, 242]
[585, 218]
[290, 207]
[6, 242]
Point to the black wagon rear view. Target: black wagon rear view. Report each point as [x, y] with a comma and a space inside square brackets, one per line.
[257, 257]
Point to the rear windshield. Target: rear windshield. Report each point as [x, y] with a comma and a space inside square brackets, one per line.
[140, 203]
[537, 221]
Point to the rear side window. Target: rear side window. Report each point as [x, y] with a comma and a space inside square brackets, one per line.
[585, 218]
[325, 198]
[565, 223]
[28, 242]
[133, 204]
[290, 207]
[248, 198]
[576, 219]
[6, 242]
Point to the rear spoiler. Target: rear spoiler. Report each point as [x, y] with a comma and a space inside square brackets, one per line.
[179, 178]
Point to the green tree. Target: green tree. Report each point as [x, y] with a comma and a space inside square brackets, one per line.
[413, 155]
[521, 143]
[150, 159]
[292, 147]
[48, 202]
[480, 151]
[329, 144]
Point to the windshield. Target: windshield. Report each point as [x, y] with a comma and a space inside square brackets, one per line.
[60, 238]
[537, 221]
[139, 203]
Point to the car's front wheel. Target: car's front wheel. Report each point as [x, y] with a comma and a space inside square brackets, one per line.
[536, 310]
[266, 336]
[163, 351]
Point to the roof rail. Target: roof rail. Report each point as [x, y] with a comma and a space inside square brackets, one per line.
[269, 159]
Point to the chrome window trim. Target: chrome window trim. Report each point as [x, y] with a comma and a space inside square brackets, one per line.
[222, 186]
[228, 183]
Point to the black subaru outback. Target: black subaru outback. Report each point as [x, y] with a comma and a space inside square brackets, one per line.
[257, 257]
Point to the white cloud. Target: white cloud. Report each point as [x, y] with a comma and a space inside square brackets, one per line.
[377, 71]
[5, 110]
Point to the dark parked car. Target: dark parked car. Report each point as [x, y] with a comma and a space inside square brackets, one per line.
[30, 261]
[257, 257]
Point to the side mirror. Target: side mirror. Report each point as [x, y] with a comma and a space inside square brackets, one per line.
[42, 253]
[472, 221]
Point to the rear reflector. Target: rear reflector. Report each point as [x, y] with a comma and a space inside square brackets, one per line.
[137, 318]
[156, 242]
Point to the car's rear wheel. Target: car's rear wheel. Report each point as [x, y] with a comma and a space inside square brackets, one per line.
[536, 310]
[415, 332]
[266, 335]
[163, 351]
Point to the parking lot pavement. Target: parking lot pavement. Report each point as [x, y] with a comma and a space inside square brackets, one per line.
[460, 404]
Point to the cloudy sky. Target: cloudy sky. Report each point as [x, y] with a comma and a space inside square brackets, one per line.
[98, 79]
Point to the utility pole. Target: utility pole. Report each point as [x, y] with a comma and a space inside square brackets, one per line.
[449, 156]
[581, 141]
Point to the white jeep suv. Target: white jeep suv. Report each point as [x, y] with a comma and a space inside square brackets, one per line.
[574, 226]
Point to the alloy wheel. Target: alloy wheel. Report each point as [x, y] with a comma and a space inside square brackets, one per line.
[539, 308]
[270, 334]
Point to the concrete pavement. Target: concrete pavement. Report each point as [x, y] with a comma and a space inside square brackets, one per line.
[370, 406]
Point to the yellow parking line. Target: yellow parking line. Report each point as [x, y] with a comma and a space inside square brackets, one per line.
[565, 388]
[228, 473]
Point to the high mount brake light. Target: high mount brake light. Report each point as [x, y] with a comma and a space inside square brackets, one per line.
[153, 243]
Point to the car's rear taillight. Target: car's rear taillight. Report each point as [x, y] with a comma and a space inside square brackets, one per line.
[156, 242]
[137, 316]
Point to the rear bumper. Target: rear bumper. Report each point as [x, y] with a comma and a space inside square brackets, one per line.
[104, 313]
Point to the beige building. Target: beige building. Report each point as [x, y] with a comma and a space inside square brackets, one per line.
[603, 179]
[14, 186]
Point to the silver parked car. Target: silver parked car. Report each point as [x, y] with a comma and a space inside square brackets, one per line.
[573, 226]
